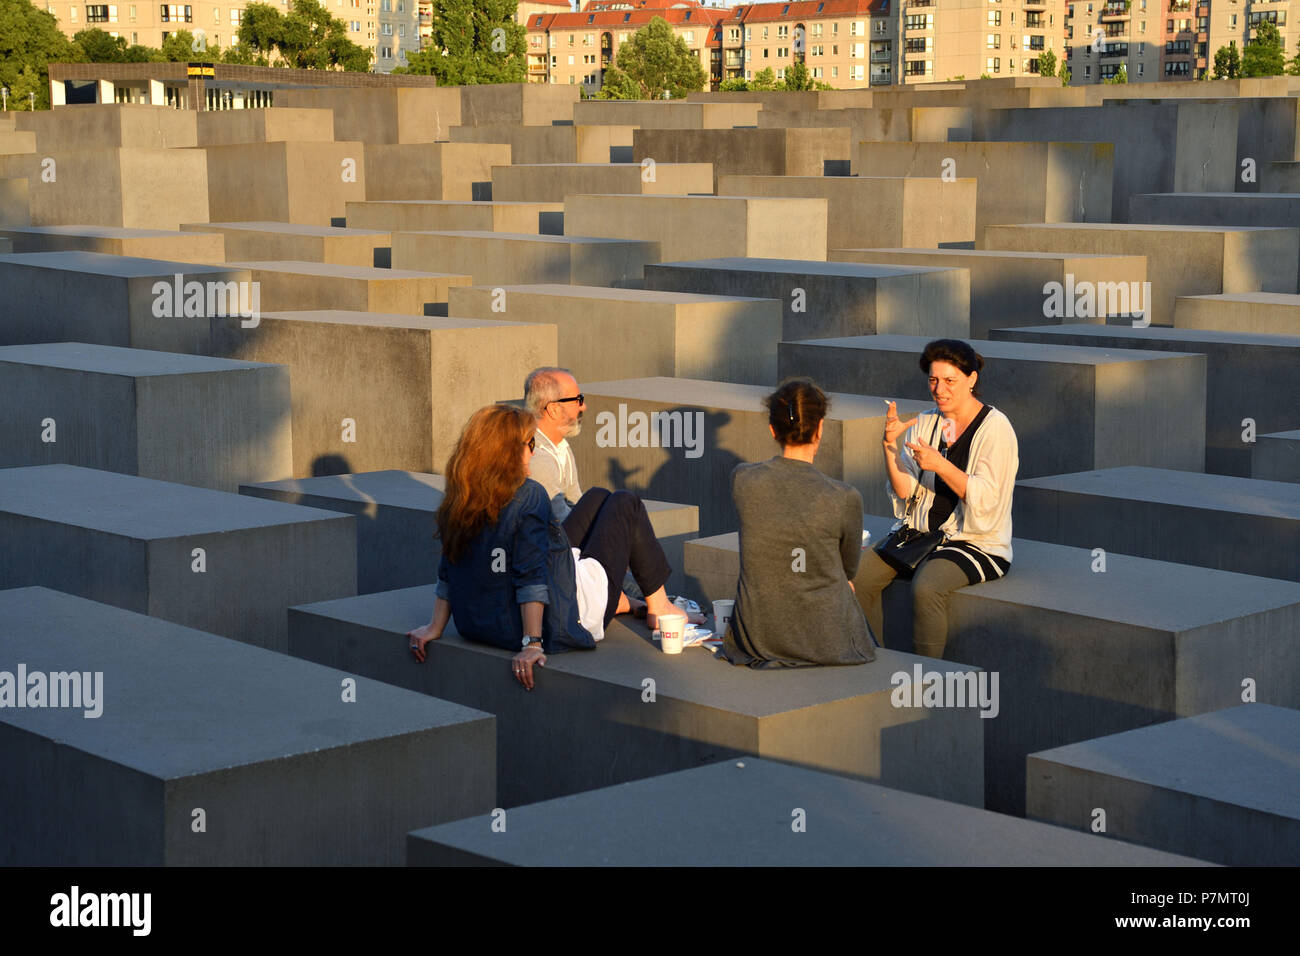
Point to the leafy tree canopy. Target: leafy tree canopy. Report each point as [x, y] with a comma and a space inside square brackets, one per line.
[473, 41]
[657, 60]
[1264, 55]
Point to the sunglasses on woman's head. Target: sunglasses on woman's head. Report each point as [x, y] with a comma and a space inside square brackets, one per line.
[531, 443]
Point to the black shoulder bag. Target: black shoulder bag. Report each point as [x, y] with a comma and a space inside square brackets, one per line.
[907, 547]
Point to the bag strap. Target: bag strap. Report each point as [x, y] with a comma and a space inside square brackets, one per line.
[911, 502]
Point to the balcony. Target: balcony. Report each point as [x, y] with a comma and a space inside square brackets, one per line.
[881, 56]
[536, 69]
[1179, 6]
[1114, 12]
[882, 79]
[1035, 5]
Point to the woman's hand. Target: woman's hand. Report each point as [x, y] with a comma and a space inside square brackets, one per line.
[893, 426]
[927, 458]
[420, 637]
[522, 665]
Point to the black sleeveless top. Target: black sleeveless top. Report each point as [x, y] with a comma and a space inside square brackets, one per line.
[945, 499]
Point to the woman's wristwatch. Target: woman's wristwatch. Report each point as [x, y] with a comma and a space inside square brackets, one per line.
[531, 642]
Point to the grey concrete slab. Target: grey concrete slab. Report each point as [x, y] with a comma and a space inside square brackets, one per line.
[876, 210]
[811, 151]
[431, 170]
[253, 241]
[400, 380]
[704, 429]
[284, 181]
[516, 258]
[15, 204]
[1009, 288]
[1280, 177]
[415, 215]
[555, 182]
[1275, 313]
[831, 299]
[1126, 407]
[397, 545]
[207, 752]
[591, 720]
[311, 286]
[198, 246]
[727, 338]
[1063, 181]
[748, 810]
[1158, 147]
[1223, 787]
[1213, 521]
[1277, 457]
[552, 144]
[701, 227]
[198, 421]
[1217, 209]
[136, 301]
[1181, 260]
[1250, 382]
[1101, 651]
[220, 562]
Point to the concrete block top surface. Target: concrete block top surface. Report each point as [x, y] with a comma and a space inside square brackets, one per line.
[1134, 227]
[1140, 592]
[737, 813]
[1284, 436]
[1152, 333]
[515, 236]
[96, 232]
[1261, 298]
[401, 489]
[112, 360]
[622, 295]
[743, 398]
[335, 271]
[1247, 756]
[286, 228]
[847, 270]
[665, 198]
[626, 657]
[139, 508]
[992, 253]
[997, 349]
[123, 267]
[1244, 197]
[1185, 489]
[387, 320]
[178, 701]
[473, 203]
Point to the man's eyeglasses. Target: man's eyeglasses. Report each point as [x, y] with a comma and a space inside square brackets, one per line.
[531, 443]
[579, 398]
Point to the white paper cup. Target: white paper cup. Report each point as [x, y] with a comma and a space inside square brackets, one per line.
[722, 611]
[672, 631]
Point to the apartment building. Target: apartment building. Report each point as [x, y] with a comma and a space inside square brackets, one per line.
[846, 43]
[388, 28]
[1165, 39]
[577, 47]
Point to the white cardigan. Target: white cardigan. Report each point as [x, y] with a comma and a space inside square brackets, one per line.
[983, 517]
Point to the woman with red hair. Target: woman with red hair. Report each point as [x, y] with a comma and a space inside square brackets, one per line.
[508, 574]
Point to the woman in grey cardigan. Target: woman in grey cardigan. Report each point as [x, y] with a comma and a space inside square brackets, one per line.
[800, 543]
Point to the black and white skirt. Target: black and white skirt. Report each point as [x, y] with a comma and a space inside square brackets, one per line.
[978, 566]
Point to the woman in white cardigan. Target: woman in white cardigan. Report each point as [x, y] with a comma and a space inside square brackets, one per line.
[968, 472]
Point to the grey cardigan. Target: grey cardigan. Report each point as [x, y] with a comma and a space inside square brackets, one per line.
[800, 544]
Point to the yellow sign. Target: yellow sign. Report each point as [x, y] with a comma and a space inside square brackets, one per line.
[201, 69]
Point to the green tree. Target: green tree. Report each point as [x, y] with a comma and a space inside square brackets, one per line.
[179, 48]
[1065, 74]
[473, 41]
[617, 85]
[764, 79]
[736, 84]
[1227, 62]
[1264, 55]
[797, 78]
[99, 47]
[261, 29]
[30, 39]
[657, 60]
[244, 54]
[1047, 63]
[1121, 75]
[1295, 64]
